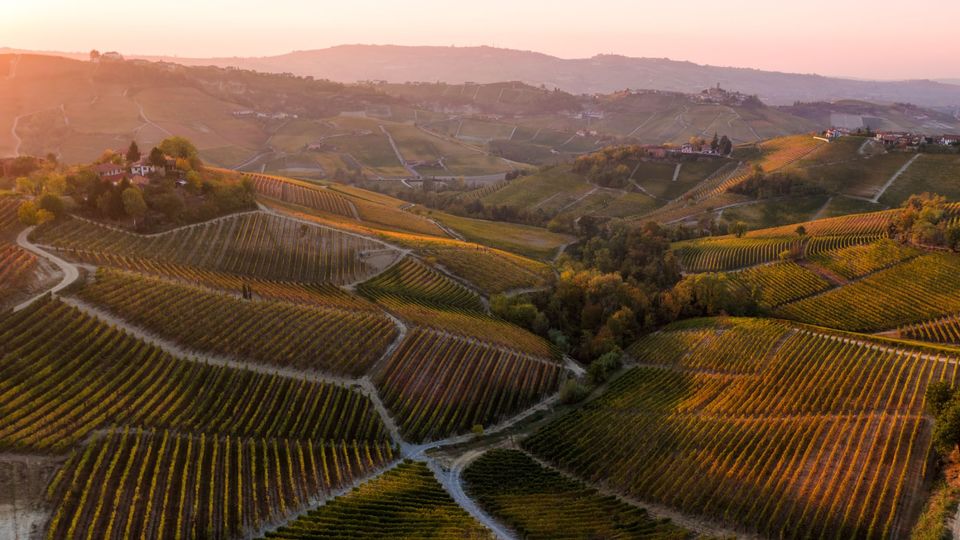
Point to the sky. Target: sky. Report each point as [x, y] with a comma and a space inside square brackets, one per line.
[879, 39]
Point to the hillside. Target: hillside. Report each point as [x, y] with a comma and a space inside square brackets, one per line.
[600, 74]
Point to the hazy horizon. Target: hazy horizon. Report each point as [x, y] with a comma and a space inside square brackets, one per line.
[876, 40]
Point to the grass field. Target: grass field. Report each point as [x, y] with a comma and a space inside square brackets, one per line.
[526, 240]
[550, 189]
[774, 213]
[930, 173]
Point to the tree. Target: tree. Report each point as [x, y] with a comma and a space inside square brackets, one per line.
[133, 152]
[26, 186]
[946, 429]
[726, 145]
[94, 55]
[55, 184]
[157, 158]
[739, 229]
[715, 143]
[133, 203]
[51, 203]
[801, 231]
[29, 214]
[938, 396]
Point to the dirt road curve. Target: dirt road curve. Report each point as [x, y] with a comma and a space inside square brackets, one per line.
[70, 272]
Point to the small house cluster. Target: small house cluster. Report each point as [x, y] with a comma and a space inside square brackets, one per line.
[893, 139]
[138, 172]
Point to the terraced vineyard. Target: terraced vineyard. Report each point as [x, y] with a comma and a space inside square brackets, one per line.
[542, 503]
[799, 435]
[415, 282]
[287, 190]
[134, 484]
[920, 289]
[255, 244]
[404, 502]
[65, 374]
[271, 332]
[319, 294]
[438, 384]
[780, 283]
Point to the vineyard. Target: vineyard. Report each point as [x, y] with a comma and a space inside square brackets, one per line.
[873, 223]
[16, 268]
[318, 294]
[920, 289]
[490, 270]
[858, 261]
[437, 384]
[413, 281]
[943, 330]
[289, 191]
[65, 374]
[790, 434]
[542, 503]
[255, 244]
[779, 283]
[469, 324]
[8, 213]
[137, 484]
[278, 333]
[782, 151]
[716, 254]
[404, 502]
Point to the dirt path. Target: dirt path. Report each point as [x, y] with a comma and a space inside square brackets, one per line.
[822, 210]
[149, 122]
[396, 150]
[451, 481]
[901, 170]
[69, 271]
[676, 172]
[582, 197]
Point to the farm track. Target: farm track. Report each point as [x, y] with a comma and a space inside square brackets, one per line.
[451, 480]
[896, 175]
[70, 272]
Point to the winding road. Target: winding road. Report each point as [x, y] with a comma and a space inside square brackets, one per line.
[70, 272]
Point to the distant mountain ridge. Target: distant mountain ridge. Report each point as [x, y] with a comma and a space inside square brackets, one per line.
[600, 74]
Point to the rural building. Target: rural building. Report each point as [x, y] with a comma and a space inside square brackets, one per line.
[142, 168]
[109, 171]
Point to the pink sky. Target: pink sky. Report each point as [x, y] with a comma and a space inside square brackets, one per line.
[880, 39]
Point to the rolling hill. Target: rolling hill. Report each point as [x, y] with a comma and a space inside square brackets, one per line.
[599, 74]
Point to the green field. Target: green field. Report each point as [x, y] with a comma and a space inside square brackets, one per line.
[549, 189]
[774, 213]
[930, 173]
[526, 240]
